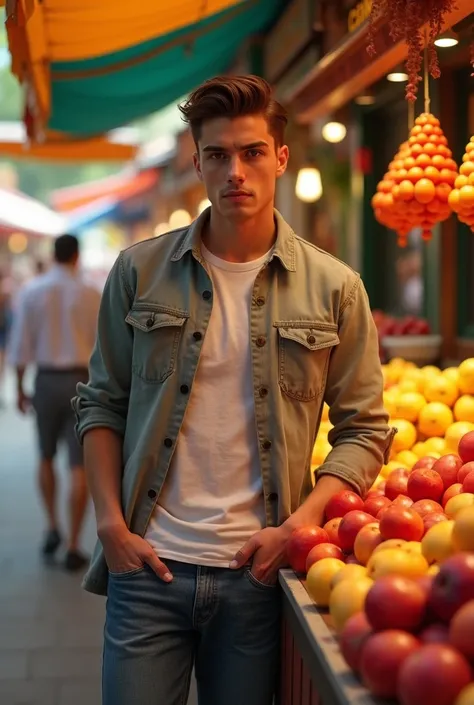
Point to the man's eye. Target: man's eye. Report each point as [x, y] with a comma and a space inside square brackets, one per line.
[217, 155]
[253, 153]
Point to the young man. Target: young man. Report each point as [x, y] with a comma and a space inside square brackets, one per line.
[54, 328]
[217, 345]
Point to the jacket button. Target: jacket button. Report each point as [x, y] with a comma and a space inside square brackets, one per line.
[263, 391]
[272, 496]
[311, 339]
[184, 389]
[151, 494]
[149, 322]
[197, 335]
[266, 445]
[206, 295]
[260, 301]
[261, 340]
[168, 442]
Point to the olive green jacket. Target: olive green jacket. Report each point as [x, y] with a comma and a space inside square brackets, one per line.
[312, 340]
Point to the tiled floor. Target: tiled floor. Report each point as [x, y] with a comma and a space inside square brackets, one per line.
[50, 629]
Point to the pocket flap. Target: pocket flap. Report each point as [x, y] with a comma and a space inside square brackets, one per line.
[147, 320]
[311, 337]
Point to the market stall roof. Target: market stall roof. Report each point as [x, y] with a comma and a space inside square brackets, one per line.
[115, 146]
[19, 212]
[123, 60]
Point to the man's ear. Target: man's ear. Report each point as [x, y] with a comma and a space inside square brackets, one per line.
[197, 165]
[283, 156]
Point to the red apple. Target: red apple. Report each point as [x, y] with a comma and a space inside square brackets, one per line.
[350, 526]
[332, 529]
[374, 504]
[366, 542]
[464, 471]
[403, 501]
[395, 602]
[427, 506]
[461, 630]
[437, 633]
[468, 484]
[351, 558]
[342, 503]
[323, 550]
[425, 484]
[401, 523]
[352, 638]
[430, 520]
[382, 656]
[426, 462]
[451, 492]
[300, 544]
[447, 468]
[466, 447]
[435, 674]
[376, 491]
[396, 483]
[453, 585]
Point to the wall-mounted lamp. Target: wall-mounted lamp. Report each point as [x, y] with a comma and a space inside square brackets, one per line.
[309, 187]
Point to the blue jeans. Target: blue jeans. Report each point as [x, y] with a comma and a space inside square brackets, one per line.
[223, 623]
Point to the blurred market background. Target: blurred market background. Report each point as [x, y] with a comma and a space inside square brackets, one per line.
[91, 143]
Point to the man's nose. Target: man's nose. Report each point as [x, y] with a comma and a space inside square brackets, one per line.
[236, 170]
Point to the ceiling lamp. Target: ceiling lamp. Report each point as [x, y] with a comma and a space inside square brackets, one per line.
[179, 219]
[17, 243]
[397, 77]
[334, 132]
[309, 188]
[162, 228]
[205, 203]
[447, 40]
[367, 98]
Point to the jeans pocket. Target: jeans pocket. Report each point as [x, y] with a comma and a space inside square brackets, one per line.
[126, 573]
[256, 582]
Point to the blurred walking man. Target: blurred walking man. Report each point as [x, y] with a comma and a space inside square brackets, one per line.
[54, 329]
[217, 346]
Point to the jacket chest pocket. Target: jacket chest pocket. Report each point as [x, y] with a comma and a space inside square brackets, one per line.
[157, 335]
[304, 349]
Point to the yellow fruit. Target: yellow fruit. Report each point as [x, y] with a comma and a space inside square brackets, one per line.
[435, 418]
[412, 547]
[435, 445]
[464, 408]
[321, 450]
[433, 569]
[390, 543]
[430, 370]
[437, 543]
[347, 599]
[318, 580]
[389, 402]
[466, 376]
[407, 458]
[351, 571]
[458, 502]
[454, 434]
[396, 561]
[463, 532]
[466, 696]
[325, 414]
[408, 406]
[452, 373]
[407, 386]
[415, 376]
[390, 466]
[420, 450]
[440, 388]
[406, 436]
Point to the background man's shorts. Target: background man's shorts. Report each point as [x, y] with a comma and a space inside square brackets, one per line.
[55, 419]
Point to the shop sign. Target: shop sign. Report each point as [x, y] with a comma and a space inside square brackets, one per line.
[358, 14]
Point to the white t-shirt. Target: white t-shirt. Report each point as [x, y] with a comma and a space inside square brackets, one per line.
[212, 499]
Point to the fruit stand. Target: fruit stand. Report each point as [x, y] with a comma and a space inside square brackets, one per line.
[313, 671]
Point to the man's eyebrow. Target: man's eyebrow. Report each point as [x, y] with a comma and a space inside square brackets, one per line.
[241, 148]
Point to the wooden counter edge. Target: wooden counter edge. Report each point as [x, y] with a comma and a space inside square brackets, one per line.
[334, 681]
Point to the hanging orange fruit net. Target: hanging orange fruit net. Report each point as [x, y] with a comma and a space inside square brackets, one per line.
[415, 192]
[461, 198]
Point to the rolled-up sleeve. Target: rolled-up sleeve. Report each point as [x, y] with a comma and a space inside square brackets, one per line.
[361, 437]
[103, 401]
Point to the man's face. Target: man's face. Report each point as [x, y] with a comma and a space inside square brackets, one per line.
[239, 163]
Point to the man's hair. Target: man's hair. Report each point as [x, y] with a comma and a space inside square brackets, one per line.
[232, 97]
[66, 249]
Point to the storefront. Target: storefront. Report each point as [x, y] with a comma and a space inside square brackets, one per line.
[345, 84]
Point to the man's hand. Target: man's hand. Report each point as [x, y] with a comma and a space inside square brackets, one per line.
[23, 403]
[267, 548]
[126, 551]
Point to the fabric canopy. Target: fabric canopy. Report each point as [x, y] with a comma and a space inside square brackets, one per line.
[19, 212]
[119, 186]
[123, 60]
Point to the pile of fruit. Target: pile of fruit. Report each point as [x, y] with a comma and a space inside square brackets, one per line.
[396, 570]
[461, 198]
[408, 325]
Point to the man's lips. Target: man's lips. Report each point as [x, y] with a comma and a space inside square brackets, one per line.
[237, 194]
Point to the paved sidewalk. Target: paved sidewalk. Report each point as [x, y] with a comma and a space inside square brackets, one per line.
[50, 629]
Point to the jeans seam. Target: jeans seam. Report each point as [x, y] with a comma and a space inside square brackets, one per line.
[185, 695]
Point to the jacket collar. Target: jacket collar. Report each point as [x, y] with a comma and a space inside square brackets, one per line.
[284, 249]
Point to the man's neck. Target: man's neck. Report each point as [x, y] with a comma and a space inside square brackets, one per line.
[236, 241]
